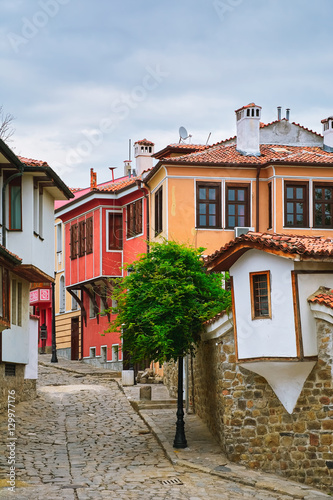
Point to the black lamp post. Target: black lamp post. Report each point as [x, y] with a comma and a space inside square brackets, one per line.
[180, 439]
[54, 358]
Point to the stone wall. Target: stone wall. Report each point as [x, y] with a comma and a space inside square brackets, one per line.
[253, 427]
[25, 389]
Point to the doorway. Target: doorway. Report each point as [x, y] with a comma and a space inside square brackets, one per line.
[75, 335]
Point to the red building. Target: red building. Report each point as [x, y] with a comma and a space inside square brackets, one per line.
[105, 227]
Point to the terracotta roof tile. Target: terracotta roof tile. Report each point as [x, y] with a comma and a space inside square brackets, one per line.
[33, 163]
[117, 185]
[228, 154]
[309, 246]
[323, 296]
[145, 142]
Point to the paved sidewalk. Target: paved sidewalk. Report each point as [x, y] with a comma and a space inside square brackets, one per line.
[203, 453]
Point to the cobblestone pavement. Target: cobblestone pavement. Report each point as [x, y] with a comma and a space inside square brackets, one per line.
[81, 439]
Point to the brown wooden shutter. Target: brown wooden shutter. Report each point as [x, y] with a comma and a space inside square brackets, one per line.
[74, 241]
[138, 217]
[115, 231]
[82, 238]
[89, 235]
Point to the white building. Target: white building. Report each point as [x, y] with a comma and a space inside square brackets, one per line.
[28, 190]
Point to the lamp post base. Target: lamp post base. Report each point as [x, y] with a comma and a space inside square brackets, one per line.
[180, 439]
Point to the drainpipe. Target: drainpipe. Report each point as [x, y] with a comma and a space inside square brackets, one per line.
[12, 177]
[257, 199]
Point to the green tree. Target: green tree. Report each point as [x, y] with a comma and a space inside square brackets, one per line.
[164, 300]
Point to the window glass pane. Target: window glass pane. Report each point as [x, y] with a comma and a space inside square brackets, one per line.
[231, 221]
[241, 221]
[231, 194]
[202, 193]
[290, 208]
[290, 219]
[202, 219]
[290, 193]
[212, 220]
[299, 219]
[15, 207]
[299, 208]
[241, 194]
[299, 193]
[212, 193]
[212, 209]
[202, 208]
[14, 313]
[318, 193]
[232, 210]
[241, 210]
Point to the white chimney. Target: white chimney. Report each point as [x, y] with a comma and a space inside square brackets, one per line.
[328, 134]
[143, 151]
[127, 167]
[248, 123]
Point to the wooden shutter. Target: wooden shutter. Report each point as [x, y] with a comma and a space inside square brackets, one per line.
[74, 241]
[138, 217]
[82, 238]
[115, 231]
[89, 235]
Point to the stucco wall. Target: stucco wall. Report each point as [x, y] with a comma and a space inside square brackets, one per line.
[251, 424]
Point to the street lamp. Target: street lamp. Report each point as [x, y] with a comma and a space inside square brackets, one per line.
[180, 439]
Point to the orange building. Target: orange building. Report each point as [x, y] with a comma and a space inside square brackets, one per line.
[274, 177]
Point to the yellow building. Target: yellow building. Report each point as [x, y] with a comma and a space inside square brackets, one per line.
[67, 310]
[276, 177]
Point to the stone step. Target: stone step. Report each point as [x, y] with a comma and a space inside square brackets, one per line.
[154, 404]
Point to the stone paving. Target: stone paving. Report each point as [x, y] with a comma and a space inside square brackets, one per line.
[81, 439]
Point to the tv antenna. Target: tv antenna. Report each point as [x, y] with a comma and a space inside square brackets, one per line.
[183, 135]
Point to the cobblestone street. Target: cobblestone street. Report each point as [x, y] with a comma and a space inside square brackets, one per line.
[81, 439]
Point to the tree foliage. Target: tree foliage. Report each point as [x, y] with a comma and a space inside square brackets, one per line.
[164, 300]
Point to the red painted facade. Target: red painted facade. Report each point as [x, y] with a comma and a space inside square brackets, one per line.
[105, 228]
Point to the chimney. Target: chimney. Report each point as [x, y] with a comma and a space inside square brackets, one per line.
[143, 152]
[93, 179]
[128, 167]
[248, 123]
[287, 114]
[279, 112]
[328, 134]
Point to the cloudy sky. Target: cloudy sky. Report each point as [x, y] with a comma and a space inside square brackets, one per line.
[83, 77]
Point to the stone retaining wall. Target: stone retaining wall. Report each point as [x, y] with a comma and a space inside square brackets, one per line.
[25, 389]
[252, 426]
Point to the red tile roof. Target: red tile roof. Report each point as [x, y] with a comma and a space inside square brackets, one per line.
[117, 185]
[313, 247]
[12, 256]
[228, 154]
[145, 142]
[33, 163]
[323, 296]
[250, 105]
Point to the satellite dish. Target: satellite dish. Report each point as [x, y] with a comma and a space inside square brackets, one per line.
[183, 133]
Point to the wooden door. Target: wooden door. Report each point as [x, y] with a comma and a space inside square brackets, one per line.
[75, 335]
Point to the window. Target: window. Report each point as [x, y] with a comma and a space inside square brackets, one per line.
[74, 241]
[115, 352]
[15, 204]
[260, 295]
[59, 238]
[158, 211]
[62, 295]
[16, 303]
[209, 204]
[296, 204]
[41, 212]
[89, 235]
[237, 205]
[74, 303]
[82, 238]
[322, 205]
[92, 312]
[270, 217]
[134, 219]
[115, 231]
[36, 219]
[4, 295]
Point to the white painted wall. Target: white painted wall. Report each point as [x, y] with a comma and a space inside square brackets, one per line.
[307, 285]
[31, 248]
[31, 369]
[15, 342]
[286, 133]
[264, 337]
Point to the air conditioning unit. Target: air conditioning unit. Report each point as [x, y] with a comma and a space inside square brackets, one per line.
[242, 230]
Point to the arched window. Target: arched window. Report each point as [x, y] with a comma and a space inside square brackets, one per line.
[62, 295]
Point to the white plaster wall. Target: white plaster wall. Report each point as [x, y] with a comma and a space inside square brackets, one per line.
[248, 135]
[285, 133]
[29, 247]
[31, 369]
[264, 337]
[307, 285]
[15, 342]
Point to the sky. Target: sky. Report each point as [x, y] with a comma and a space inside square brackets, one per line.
[83, 78]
